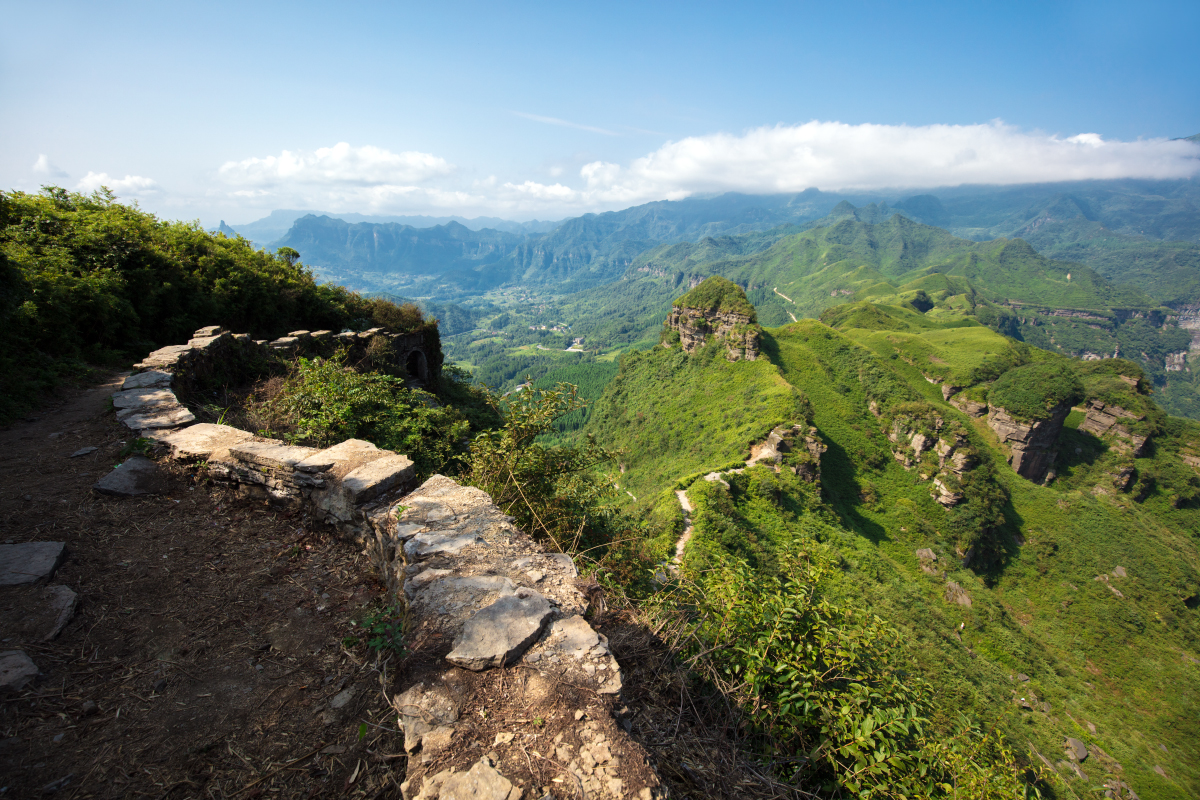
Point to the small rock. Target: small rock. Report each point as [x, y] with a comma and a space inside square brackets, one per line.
[957, 594]
[1162, 747]
[16, 670]
[1077, 749]
[89, 708]
[1091, 728]
[83, 451]
[482, 782]
[504, 738]
[501, 633]
[1022, 677]
[137, 476]
[342, 698]
[1119, 572]
[579, 714]
[160, 684]
[30, 562]
[1160, 771]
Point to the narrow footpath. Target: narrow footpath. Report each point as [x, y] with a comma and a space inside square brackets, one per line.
[211, 650]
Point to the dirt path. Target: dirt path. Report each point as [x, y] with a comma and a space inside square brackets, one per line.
[213, 653]
[686, 505]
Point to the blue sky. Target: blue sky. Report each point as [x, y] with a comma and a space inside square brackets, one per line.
[224, 110]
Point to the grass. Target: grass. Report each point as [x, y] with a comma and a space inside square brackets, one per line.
[1119, 663]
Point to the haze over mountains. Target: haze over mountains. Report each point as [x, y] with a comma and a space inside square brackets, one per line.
[1148, 228]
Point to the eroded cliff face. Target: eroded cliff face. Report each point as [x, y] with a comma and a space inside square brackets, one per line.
[1111, 420]
[937, 452]
[1032, 444]
[738, 331]
[784, 440]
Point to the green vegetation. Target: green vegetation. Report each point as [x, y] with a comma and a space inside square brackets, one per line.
[778, 569]
[667, 414]
[322, 402]
[718, 294]
[831, 690]
[87, 280]
[1035, 391]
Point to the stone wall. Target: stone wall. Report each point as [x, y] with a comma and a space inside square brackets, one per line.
[492, 621]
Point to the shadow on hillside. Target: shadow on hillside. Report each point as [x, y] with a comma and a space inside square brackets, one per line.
[1000, 548]
[839, 478]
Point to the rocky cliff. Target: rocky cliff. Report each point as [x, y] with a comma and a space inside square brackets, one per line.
[1112, 420]
[715, 307]
[939, 451]
[1031, 444]
[694, 326]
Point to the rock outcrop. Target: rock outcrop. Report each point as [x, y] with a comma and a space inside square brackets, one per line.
[797, 439]
[716, 307]
[738, 331]
[1112, 420]
[1031, 444]
[913, 438]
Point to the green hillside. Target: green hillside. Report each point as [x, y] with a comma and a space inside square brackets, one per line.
[1087, 589]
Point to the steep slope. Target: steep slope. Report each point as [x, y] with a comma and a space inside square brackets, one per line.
[1066, 610]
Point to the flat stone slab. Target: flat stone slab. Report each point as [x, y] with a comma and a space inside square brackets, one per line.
[30, 562]
[203, 440]
[425, 544]
[166, 356]
[1078, 749]
[36, 614]
[155, 417]
[373, 479]
[151, 378]
[352, 452]
[501, 633]
[148, 396]
[271, 454]
[16, 670]
[137, 476]
[481, 782]
[84, 451]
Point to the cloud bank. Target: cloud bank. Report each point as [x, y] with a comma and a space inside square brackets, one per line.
[130, 185]
[831, 156]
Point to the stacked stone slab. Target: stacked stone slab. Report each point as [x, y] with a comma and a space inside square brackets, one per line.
[351, 485]
[476, 583]
[1108, 419]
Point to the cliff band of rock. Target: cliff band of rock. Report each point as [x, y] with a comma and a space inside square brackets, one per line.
[738, 331]
[1031, 443]
[1102, 420]
[954, 455]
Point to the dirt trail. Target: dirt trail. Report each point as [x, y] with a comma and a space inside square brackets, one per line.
[686, 505]
[213, 653]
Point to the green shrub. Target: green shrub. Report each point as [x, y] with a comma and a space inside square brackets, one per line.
[718, 294]
[324, 402]
[830, 691]
[1033, 391]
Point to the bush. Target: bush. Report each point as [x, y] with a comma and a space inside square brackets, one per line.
[324, 402]
[829, 691]
[555, 493]
[1033, 391]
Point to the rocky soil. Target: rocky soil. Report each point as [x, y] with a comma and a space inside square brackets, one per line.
[213, 651]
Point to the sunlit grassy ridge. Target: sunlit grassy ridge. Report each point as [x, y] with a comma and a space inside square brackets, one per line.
[1126, 664]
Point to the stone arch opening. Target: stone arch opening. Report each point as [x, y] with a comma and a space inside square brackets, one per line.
[417, 366]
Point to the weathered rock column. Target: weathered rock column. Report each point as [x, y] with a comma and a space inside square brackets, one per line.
[1031, 443]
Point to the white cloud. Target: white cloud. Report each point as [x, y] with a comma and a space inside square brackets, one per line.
[835, 156]
[122, 187]
[340, 165]
[831, 156]
[43, 167]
